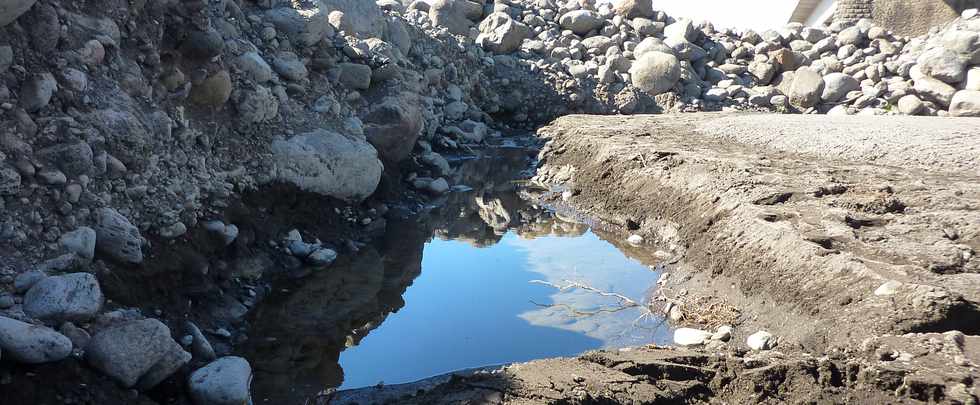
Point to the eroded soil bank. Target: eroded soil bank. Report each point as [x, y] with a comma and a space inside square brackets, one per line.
[856, 249]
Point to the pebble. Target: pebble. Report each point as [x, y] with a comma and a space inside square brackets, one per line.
[635, 240]
[888, 288]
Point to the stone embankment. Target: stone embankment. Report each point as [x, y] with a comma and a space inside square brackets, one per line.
[130, 128]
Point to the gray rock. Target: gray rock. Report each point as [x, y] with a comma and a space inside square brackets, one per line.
[322, 257]
[965, 43]
[290, 66]
[328, 163]
[647, 28]
[11, 9]
[851, 36]
[942, 64]
[393, 126]
[685, 49]
[306, 28]
[254, 66]
[438, 186]
[761, 340]
[173, 359]
[24, 281]
[354, 75]
[9, 180]
[79, 337]
[226, 232]
[965, 103]
[837, 85]
[635, 8]
[934, 90]
[7, 301]
[72, 158]
[32, 344]
[501, 34]
[37, 91]
[763, 72]
[655, 72]
[455, 15]
[651, 45]
[6, 57]
[581, 21]
[226, 381]
[257, 105]
[909, 104]
[213, 91]
[806, 90]
[117, 238]
[364, 17]
[129, 350]
[681, 29]
[71, 297]
[200, 346]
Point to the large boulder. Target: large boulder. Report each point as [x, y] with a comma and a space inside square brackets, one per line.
[655, 72]
[837, 85]
[806, 90]
[32, 344]
[117, 238]
[131, 350]
[934, 90]
[393, 126]
[965, 103]
[11, 9]
[329, 163]
[943, 64]
[581, 21]
[455, 15]
[635, 8]
[225, 381]
[72, 297]
[683, 28]
[501, 34]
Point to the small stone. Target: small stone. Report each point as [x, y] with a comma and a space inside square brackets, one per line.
[225, 381]
[909, 104]
[438, 186]
[965, 103]
[291, 67]
[24, 281]
[173, 231]
[690, 336]
[130, 350]
[635, 240]
[761, 340]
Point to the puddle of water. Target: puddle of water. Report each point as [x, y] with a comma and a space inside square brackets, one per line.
[449, 289]
[476, 306]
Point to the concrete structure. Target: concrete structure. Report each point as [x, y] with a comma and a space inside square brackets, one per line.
[904, 17]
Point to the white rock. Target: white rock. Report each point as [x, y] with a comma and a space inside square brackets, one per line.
[328, 163]
[888, 288]
[761, 340]
[655, 72]
[691, 337]
[635, 240]
[965, 103]
[724, 333]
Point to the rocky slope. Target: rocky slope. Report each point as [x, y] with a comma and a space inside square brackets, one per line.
[133, 131]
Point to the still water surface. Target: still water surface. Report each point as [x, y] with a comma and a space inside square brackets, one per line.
[475, 306]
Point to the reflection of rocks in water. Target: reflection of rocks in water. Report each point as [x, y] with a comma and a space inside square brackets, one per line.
[297, 338]
[297, 335]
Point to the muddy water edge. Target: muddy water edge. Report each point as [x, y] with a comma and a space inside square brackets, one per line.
[292, 321]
